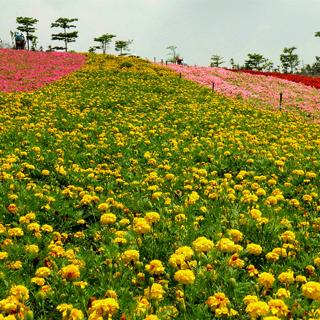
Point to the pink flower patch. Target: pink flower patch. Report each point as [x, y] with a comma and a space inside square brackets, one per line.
[22, 70]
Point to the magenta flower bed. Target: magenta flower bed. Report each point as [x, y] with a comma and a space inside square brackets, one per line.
[255, 88]
[22, 70]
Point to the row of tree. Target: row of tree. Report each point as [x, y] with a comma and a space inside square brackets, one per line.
[67, 34]
[289, 62]
[289, 59]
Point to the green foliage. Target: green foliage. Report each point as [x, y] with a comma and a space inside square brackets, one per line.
[289, 60]
[104, 40]
[216, 61]
[122, 46]
[258, 62]
[67, 37]
[26, 25]
[172, 53]
[126, 64]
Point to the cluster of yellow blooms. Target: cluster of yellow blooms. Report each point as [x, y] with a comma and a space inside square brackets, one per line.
[184, 204]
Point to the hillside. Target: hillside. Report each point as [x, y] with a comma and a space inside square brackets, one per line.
[128, 192]
[258, 89]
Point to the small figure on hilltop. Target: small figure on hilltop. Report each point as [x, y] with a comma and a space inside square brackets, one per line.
[179, 60]
[20, 41]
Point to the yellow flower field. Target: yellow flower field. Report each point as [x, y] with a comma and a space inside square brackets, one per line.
[129, 193]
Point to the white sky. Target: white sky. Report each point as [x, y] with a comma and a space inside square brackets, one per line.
[199, 28]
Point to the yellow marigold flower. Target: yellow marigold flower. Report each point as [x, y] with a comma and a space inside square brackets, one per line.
[111, 294]
[266, 279]
[272, 256]
[271, 318]
[282, 252]
[142, 306]
[130, 256]
[20, 292]
[278, 307]
[31, 248]
[141, 225]
[2, 229]
[252, 270]
[15, 232]
[236, 235]
[288, 236]
[155, 267]
[184, 276]
[108, 218]
[152, 217]
[45, 172]
[38, 281]
[43, 272]
[119, 240]
[103, 308]
[202, 244]
[124, 222]
[286, 277]
[257, 309]
[15, 265]
[249, 298]
[235, 261]
[70, 313]
[316, 262]
[155, 292]
[192, 198]
[70, 272]
[311, 290]
[46, 228]
[103, 206]
[186, 251]
[255, 213]
[300, 278]
[227, 245]
[178, 261]
[180, 217]
[80, 284]
[12, 208]
[254, 249]
[283, 293]
[260, 192]
[310, 269]
[151, 317]
[218, 300]
[3, 255]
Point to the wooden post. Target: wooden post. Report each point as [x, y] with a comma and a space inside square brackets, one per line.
[161, 61]
[280, 100]
[212, 86]
[166, 62]
[180, 75]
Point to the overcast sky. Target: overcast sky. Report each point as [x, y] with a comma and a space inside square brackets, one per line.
[199, 28]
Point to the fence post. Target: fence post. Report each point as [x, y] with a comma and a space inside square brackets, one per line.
[212, 86]
[280, 100]
[180, 75]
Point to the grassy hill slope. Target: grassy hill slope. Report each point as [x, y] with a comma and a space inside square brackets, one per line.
[121, 175]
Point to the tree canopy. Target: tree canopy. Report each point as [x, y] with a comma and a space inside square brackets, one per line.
[67, 37]
[104, 40]
[216, 61]
[289, 60]
[122, 46]
[26, 25]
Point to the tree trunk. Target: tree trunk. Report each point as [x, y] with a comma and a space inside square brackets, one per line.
[28, 40]
[65, 40]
